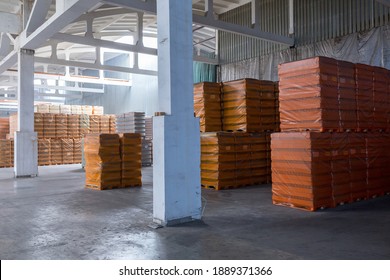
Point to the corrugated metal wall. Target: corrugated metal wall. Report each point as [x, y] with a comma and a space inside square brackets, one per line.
[314, 20]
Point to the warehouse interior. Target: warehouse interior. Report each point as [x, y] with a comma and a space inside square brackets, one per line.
[314, 181]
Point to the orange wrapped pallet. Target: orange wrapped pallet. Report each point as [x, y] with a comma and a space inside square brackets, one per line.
[49, 125]
[234, 159]
[4, 127]
[44, 152]
[56, 152]
[309, 95]
[67, 150]
[103, 162]
[73, 126]
[207, 106]
[131, 159]
[364, 96]
[39, 125]
[84, 125]
[301, 169]
[249, 105]
[94, 123]
[6, 153]
[346, 94]
[61, 126]
[77, 152]
[104, 124]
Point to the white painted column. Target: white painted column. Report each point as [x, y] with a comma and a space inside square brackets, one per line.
[26, 147]
[176, 143]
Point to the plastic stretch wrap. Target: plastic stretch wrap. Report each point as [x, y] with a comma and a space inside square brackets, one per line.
[66, 109]
[311, 170]
[84, 125]
[207, 106]
[6, 153]
[39, 124]
[54, 109]
[67, 151]
[49, 125]
[103, 161]
[98, 110]
[234, 159]
[4, 127]
[56, 151]
[147, 152]
[61, 125]
[44, 152]
[87, 110]
[77, 152]
[74, 126]
[112, 124]
[104, 124]
[94, 124]
[364, 96]
[250, 105]
[149, 127]
[131, 155]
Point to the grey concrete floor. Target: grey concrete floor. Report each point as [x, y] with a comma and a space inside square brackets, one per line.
[54, 217]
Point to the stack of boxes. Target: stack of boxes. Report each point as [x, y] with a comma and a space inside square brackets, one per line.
[49, 124]
[332, 149]
[6, 153]
[4, 128]
[207, 106]
[94, 124]
[131, 156]
[61, 126]
[44, 152]
[249, 109]
[112, 161]
[73, 126]
[131, 122]
[104, 124]
[103, 162]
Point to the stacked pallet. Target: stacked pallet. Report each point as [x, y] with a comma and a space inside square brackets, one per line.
[147, 152]
[49, 125]
[44, 152]
[313, 170]
[39, 125]
[104, 124]
[98, 110]
[94, 124]
[149, 127]
[112, 124]
[131, 159]
[84, 125]
[61, 126]
[77, 151]
[250, 105]
[73, 126]
[6, 153]
[87, 110]
[319, 169]
[56, 152]
[207, 106]
[67, 147]
[42, 108]
[13, 125]
[234, 159]
[66, 109]
[103, 161]
[4, 127]
[76, 110]
[132, 122]
[54, 108]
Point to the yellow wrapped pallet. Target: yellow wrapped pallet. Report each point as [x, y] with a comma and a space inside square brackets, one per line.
[102, 161]
[131, 159]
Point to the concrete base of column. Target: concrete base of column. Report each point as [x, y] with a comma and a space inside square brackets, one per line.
[176, 170]
[26, 154]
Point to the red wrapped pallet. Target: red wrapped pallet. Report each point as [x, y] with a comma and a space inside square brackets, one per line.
[364, 96]
[357, 165]
[347, 95]
[380, 99]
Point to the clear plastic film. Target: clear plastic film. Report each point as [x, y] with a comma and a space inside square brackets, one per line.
[44, 152]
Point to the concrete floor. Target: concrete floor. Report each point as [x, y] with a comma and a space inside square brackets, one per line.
[54, 217]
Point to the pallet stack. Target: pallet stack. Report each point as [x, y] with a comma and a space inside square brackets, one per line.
[131, 122]
[98, 110]
[104, 124]
[248, 111]
[4, 127]
[39, 125]
[332, 149]
[84, 125]
[112, 124]
[6, 153]
[207, 106]
[147, 152]
[149, 127]
[131, 156]
[234, 159]
[44, 152]
[56, 151]
[250, 105]
[103, 161]
[61, 126]
[49, 123]
[54, 109]
[67, 147]
[77, 151]
[73, 126]
[94, 124]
